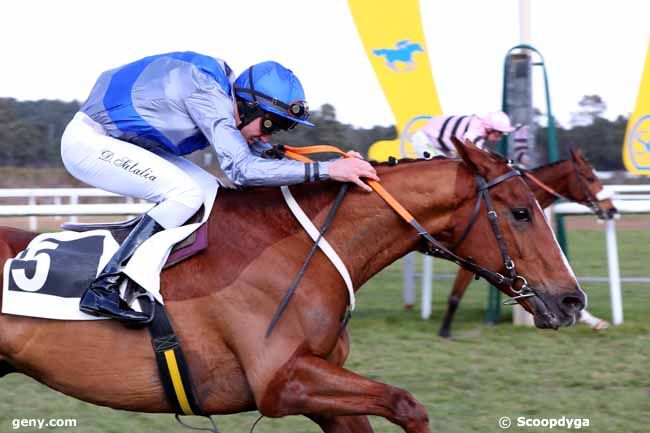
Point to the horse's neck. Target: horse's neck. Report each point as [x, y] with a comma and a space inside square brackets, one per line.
[554, 175]
[366, 233]
[370, 235]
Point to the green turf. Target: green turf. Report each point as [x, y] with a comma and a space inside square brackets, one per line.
[468, 384]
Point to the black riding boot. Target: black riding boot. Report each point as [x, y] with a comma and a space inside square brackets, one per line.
[103, 296]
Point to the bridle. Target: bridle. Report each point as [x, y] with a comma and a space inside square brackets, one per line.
[513, 279]
[592, 202]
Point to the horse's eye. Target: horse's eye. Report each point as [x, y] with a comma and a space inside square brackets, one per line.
[521, 214]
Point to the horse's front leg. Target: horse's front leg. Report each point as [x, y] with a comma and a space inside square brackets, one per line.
[463, 279]
[311, 386]
[343, 424]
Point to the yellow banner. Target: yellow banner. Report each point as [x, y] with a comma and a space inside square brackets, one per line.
[392, 36]
[636, 147]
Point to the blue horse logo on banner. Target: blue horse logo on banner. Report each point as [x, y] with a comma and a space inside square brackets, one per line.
[403, 53]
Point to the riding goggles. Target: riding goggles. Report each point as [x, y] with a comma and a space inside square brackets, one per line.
[272, 123]
[298, 109]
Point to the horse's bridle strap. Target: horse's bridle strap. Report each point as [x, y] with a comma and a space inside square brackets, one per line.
[542, 185]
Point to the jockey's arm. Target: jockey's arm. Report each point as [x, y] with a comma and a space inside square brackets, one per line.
[213, 112]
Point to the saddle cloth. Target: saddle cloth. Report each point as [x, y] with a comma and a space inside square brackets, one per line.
[48, 278]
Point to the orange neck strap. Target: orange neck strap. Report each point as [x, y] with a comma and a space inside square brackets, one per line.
[298, 153]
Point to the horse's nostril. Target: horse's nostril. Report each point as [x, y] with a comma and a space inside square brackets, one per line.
[611, 212]
[571, 304]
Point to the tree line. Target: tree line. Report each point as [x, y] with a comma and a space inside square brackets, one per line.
[30, 133]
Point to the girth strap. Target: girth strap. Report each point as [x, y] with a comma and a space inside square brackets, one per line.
[172, 366]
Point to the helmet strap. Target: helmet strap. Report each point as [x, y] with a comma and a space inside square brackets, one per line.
[248, 111]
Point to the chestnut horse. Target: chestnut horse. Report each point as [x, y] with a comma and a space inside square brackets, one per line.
[221, 301]
[573, 179]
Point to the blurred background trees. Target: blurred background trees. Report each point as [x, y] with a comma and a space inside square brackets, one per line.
[30, 132]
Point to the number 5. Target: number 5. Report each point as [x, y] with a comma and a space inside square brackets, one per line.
[35, 283]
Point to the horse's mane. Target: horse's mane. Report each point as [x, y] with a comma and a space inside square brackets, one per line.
[551, 164]
[393, 161]
[315, 196]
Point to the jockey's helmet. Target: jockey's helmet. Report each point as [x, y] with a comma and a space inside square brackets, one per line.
[497, 121]
[270, 87]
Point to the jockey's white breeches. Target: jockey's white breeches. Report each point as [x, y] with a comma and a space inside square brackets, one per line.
[175, 183]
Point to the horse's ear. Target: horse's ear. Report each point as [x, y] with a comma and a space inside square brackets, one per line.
[461, 150]
[477, 160]
[577, 155]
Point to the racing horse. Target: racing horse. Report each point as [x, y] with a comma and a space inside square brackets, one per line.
[221, 301]
[573, 179]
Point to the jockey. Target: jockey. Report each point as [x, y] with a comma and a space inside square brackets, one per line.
[434, 138]
[141, 118]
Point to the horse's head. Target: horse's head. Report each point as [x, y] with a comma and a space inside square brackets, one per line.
[585, 187]
[515, 240]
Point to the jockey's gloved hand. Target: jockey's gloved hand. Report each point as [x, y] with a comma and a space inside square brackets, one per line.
[276, 152]
[352, 170]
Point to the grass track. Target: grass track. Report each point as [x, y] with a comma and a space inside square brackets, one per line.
[468, 384]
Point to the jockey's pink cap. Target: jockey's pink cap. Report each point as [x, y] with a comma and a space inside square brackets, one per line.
[498, 121]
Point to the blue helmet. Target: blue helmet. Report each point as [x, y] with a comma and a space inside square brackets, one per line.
[274, 88]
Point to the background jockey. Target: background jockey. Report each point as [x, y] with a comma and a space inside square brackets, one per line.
[140, 118]
[434, 138]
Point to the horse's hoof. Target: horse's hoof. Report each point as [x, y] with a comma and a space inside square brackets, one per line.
[600, 325]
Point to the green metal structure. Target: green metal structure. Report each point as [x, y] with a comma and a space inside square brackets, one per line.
[494, 296]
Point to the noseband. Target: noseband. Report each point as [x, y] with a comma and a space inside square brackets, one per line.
[592, 201]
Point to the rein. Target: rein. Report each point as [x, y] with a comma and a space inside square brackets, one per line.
[435, 248]
[303, 268]
[539, 183]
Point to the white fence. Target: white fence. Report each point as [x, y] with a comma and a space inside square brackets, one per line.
[628, 199]
[65, 202]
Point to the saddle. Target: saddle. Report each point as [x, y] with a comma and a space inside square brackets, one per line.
[191, 245]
